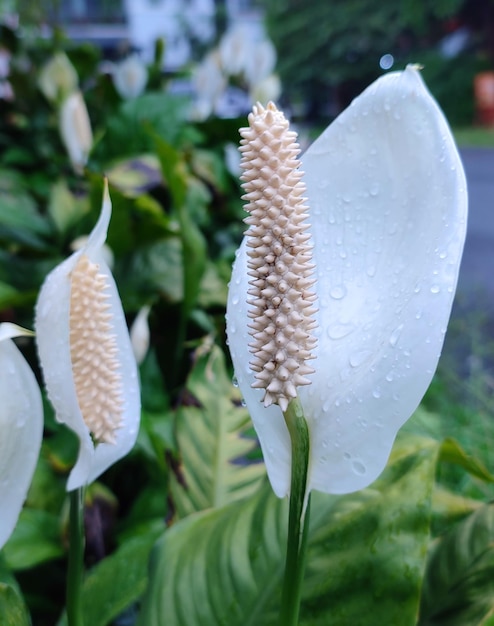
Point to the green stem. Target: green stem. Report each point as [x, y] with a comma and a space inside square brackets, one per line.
[76, 558]
[298, 520]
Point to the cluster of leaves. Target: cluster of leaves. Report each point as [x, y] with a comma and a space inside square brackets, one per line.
[192, 499]
[344, 42]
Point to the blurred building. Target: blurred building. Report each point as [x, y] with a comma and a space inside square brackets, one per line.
[136, 24]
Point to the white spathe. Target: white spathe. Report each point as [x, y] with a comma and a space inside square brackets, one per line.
[130, 77]
[388, 210]
[52, 325]
[21, 425]
[75, 130]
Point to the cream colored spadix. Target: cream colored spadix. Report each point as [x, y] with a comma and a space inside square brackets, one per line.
[86, 356]
[279, 257]
[21, 427]
[387, 204]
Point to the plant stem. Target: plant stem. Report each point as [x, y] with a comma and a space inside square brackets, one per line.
[298, 520]
[76, 558]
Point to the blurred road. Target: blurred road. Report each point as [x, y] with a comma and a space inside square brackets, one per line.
[477, 272]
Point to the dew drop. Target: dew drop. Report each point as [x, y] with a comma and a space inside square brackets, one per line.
[347, 456]
[374, 189]
[235, 381]
[395, 335]
[376, 393]
[357, 358]
[435, 289]
[359, 468]
[338, 292]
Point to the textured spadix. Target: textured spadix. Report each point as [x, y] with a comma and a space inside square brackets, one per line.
[388, 207]
[21, 427]
[279, 257]
[86, 356]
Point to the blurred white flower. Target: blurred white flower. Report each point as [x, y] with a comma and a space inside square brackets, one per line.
[21, 424]
[139, 334]
[266, 90]
[86, 356]
[209, 83]
[232, 159]
[261, 62]
[235, 49]
[58, 78]
[130, 77]
[75, 130]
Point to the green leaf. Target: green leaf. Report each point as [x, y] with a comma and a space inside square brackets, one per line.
[19, 218]
[459, 582]
[210, 433]
[365, 562]
[13, 611]
[116, 582]
[452, 452]
[35, 540]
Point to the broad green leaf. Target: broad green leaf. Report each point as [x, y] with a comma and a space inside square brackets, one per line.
[36, 539]
[210, 434]
[365, 561]
[194, 248]
[452, 452]
[13, 611]
[449, 507]
[19, 218]
[116, 582]
[459, 582]
[151, 269]
[10, 297]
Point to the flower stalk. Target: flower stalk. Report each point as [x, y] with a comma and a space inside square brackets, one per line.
[298, 518]
[76, 558]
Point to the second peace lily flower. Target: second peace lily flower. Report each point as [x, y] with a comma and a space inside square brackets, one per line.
[86, 356]
[387, 204]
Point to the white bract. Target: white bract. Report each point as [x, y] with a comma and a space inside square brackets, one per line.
[86, 356]
[130, 77]
[388, 209]
[140, 334]
[75, 130]
[21, 424]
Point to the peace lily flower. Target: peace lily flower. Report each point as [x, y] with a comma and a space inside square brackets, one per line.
[387, 207]
[130, 77]
[140, 335]
[75, 130]
[86, 356]
[21, 422]
[58, 78]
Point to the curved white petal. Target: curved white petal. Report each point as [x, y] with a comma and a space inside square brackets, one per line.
[21, 425]
[388, 207]
[52, 335]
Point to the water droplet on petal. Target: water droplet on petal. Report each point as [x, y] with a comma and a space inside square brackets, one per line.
[359, 468]
[435, 289]
[338, 292]
[395, 335]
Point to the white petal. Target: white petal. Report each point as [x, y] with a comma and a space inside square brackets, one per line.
[21, 425]
[75, 130]
[139, 334]
[388, 206]
[52, 335]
